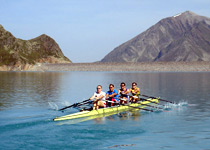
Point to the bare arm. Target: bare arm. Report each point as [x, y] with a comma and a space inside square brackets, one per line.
[138, 90]
[107, 95]
[112, 95]
[100, 97]
[132, 92]
[92, 97]
[126, 92]
[135, 91]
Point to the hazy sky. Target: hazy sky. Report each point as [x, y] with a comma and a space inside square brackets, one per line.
[87, 30]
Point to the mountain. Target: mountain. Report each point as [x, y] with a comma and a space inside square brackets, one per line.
[183, 37]
[42, 49]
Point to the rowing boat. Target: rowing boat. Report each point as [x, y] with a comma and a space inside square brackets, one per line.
[112, 110]
[109, 110]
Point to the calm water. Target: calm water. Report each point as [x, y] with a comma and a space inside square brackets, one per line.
[28, 103]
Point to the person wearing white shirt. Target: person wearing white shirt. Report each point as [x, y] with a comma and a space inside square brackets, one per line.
[99, 98]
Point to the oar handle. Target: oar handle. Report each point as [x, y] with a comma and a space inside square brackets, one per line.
[107, 100]
[120, 98]
[133, 96]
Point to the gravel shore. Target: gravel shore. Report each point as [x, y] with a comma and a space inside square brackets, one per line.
[146, 66]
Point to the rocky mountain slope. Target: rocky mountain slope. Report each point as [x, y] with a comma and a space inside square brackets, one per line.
[183, 37]
[17, 52]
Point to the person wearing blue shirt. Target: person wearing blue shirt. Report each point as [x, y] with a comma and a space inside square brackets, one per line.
[112, 95]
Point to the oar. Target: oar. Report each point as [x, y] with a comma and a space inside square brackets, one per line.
[143, 99]
[151, 106]
[80, 104]
[152, 102]
[147, 104]
[128, 105]
[149, 101]
[137, 107]
[157, 98]
[75, 104]
[133, 106]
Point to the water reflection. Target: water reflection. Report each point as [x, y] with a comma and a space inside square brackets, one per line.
[22, 88]
[26, 89]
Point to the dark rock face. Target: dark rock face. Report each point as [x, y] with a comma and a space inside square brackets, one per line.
[15, 51]
[184, 37]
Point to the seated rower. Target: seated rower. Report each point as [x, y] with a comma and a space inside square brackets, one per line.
[99, 97]
[112, 95]
[123, 93]
[135, 91]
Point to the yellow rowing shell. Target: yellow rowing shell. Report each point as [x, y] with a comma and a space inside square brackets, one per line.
[112, 110]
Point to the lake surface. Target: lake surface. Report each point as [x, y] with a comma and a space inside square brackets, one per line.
[28, 103]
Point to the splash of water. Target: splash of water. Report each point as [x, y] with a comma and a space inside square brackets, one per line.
[53, 106]
[179, 104]
[170, 106]
[183, 103]
[65, 103]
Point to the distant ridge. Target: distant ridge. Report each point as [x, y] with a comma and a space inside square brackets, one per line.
[182, 37]
[17, 52]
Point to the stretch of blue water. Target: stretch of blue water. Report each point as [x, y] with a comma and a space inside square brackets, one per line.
[28, 103]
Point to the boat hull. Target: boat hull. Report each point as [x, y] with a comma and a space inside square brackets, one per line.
[112, 110]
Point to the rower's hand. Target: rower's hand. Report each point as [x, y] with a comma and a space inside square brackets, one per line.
[75, 104]
[90, 101]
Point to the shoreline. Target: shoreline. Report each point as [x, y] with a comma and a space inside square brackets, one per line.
[98, 66]
[140, 66]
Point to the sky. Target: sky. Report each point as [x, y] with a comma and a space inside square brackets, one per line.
[87, 30]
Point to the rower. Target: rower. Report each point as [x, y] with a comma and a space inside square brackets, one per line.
[99, 97]
[135, 91]
[123, 91]
[112, 95]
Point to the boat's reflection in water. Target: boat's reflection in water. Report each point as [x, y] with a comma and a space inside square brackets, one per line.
[134, 115]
